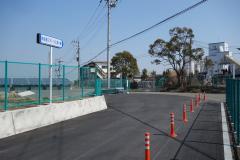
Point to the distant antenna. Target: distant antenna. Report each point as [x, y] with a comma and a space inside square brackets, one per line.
[58, 69]
[76, 44]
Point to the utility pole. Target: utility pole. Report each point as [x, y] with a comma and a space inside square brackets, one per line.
[110, 4]
[77, 46]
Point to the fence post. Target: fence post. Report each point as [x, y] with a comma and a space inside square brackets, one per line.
[81, 78]
[39, 83]
[228, 94]
[127, 85]
[6, 87]
[238, 105]
[232, 99]
[63, 84]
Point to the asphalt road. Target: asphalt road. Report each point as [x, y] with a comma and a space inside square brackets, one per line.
[118, 133]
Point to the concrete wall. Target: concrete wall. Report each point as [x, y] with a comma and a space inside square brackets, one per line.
[22, 120]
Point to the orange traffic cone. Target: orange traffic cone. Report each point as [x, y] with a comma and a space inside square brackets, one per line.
[147, 146]
[191, 106]
[185, 113]
[196, 101]
[204, 97]
[172, 125]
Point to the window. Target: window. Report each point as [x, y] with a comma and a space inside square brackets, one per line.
[104, 67]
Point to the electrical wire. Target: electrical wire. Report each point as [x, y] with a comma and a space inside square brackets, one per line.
[91, 18]
[163, 21]
[93, 36]
[150, 28]
[91, 23]
[95, 56]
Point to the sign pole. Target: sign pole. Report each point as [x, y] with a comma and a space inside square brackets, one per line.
[50, 75]
[52, 42]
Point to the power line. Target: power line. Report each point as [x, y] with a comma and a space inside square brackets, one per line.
[94, 34]
[157, 24]
[91, 23]
[151, 27]
[91, 18]
[95, 56]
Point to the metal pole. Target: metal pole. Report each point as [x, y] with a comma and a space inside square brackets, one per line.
[238, 105]
[6, 87]
[233, 68]
[50, 75]
[78, 54]
[82, 83]
[39, 83]
[108, 45]
[63, 84]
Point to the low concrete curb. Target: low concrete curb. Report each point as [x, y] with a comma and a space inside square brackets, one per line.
[22, 120]
[226, 140]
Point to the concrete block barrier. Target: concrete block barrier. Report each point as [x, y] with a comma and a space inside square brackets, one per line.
[22, 120]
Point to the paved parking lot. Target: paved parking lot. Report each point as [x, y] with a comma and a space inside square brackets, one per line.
[118, 133]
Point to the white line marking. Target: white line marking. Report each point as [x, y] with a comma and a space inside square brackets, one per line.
[226, 141]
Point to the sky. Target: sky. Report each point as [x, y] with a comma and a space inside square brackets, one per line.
[68, 20]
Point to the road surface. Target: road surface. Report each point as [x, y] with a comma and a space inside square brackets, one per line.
[118, 133]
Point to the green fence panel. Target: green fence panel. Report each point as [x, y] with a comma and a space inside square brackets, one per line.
[98, 90]
[22, 83]
[28, 84]
[88, 80]
[115, 86]
[233, 104]
[72, 90]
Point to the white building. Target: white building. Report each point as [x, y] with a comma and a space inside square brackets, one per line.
[192, 67]
[219, 54]
[222, 59]
[101, 66]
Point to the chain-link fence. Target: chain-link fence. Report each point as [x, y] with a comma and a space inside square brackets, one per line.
[233, 104]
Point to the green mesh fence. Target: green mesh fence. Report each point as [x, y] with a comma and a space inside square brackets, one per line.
[72, 88]
[233, 105]
[116, 85]
[88, 80]
[28, 84]
[22, 84]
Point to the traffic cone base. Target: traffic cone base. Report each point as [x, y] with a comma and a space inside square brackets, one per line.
[173, 134]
